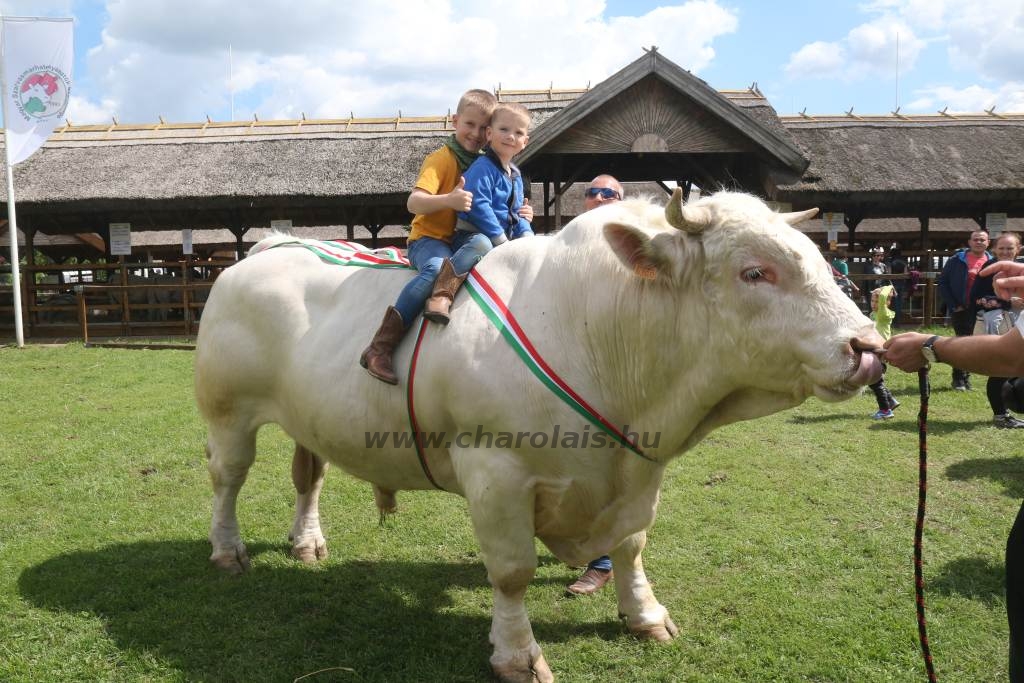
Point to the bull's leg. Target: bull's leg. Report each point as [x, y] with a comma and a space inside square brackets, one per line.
[501, 508]
[308, 472]
[644, 615]
[229, 452]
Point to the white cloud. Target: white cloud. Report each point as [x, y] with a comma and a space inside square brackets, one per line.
[989, 38]
[868, 50]
[81, 110]
[169, 57]
[975, 98]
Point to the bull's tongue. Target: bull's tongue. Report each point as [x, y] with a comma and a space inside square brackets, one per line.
[869, 370]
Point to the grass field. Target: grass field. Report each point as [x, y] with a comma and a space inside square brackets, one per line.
[783, 549]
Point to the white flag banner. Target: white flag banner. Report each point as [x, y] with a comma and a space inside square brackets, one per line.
[37, 58]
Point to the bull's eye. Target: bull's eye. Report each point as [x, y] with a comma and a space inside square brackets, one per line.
[755, 274]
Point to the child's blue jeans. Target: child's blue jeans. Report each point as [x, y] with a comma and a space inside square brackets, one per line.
[427, 254]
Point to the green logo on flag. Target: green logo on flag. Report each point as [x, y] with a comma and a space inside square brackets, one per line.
[41, 92]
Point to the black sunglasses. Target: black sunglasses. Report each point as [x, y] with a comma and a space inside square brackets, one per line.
[606, 192]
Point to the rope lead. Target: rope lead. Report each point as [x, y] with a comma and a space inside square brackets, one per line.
[922, 489]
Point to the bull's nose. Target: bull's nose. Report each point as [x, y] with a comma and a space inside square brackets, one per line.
[870, 343]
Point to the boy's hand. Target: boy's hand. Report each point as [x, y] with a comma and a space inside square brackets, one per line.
[526, 211]
[459, 199]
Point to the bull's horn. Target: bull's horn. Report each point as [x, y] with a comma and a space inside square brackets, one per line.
[687, 218]
[799, 216]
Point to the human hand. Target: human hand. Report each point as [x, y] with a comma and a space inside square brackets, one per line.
[904, 351]
[459, 199]
[526, 211]
[1007, 278]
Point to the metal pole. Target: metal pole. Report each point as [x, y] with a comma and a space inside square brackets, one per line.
[12, 219]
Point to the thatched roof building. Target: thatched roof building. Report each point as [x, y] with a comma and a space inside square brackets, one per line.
[650, 122]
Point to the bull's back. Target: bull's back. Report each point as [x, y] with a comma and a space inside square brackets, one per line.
[267, 319]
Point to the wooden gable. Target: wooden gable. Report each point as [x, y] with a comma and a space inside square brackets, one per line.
[649, 116]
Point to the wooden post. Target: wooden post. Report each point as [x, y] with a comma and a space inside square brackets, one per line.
[186, 313]
[125, 308]
[558, 192]
[83, 317]
[29, 289]
[547, 204]
[928, 301]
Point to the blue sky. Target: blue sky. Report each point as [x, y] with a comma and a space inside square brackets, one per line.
[140, 59]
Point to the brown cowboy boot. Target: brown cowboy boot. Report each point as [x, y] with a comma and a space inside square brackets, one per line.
[445, 286]
[376, 357]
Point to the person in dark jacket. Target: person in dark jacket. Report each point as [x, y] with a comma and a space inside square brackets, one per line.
[955, 284]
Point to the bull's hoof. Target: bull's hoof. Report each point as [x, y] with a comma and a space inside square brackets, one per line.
[310, 552]
[232, 561]
[661, 633]
[537, 672]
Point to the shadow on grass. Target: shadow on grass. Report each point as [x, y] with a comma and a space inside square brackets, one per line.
[974, 578]
[1006, 471]
[388, 621]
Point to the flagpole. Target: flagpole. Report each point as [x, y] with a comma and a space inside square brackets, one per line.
[12, 220]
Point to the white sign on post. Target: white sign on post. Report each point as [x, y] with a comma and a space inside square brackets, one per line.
[120, 239]
[833, 223]
[284, 226]
[186, 241]
[995, 223]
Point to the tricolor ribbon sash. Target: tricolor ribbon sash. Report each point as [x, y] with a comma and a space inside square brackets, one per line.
[344, 253]
[499, 314]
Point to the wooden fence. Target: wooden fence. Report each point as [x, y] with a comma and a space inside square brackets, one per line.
[111, 299]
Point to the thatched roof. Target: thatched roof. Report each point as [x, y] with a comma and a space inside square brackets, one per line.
[358, 171]
[939, 163]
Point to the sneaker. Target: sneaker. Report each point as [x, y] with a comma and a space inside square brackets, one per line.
[959, 387]
[883, 415]
[1007, 421]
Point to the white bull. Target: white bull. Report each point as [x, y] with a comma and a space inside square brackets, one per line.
[672, 321]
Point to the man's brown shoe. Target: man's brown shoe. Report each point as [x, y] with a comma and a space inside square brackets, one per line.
[590, 582]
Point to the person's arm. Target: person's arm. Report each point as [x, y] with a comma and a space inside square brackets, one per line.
[481, 215]
[989, 354]
[422, 202]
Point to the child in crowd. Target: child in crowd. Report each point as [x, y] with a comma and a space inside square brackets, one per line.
[880, 298]
[497, 188]
[435, 249]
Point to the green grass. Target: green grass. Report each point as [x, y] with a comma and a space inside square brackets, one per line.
[783, 549]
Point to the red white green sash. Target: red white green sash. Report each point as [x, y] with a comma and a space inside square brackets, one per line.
[344, 253]
[499, 314]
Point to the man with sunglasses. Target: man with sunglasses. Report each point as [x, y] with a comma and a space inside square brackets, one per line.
[604, 189]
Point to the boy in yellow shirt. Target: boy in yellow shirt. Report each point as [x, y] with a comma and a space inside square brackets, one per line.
[437, 196]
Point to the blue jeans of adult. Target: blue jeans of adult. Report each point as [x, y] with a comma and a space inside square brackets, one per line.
[604, 563]
[427, 254]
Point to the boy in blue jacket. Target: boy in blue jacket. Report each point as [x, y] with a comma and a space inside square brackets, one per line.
[497, 189]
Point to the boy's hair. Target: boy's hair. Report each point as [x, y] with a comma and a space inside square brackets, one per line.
[481, 99]
[512, 108]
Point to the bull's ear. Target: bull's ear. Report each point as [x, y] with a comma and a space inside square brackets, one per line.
[635, 249]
